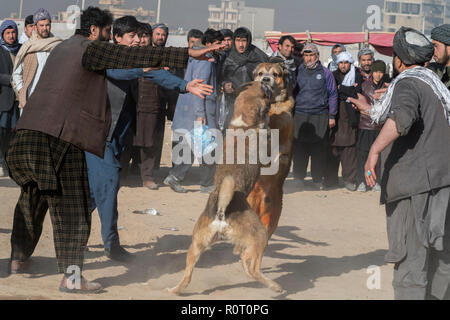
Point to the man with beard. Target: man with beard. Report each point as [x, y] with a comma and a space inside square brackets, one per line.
[441, 40]
[227, 39]
[238, 68]
[68, 114]
[343, 136]
[365, 58]
[415, 177]
[33, 55]
[9, 113]
[316, 100]
[335, 51]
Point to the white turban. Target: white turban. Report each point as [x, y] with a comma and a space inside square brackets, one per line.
[349, 79]
[344, 56]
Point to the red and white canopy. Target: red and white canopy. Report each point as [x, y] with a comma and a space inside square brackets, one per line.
[381, 41]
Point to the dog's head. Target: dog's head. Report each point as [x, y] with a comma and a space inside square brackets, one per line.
[273, 75]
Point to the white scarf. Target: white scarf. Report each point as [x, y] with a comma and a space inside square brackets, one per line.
[350, 77]
[381, 108]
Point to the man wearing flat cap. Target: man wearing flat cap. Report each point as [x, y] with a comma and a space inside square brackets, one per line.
[415, 175]
[441, 40]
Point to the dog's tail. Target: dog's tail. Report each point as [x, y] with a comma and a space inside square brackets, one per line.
[226, 193]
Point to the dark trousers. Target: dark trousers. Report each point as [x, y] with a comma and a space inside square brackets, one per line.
[5, 138]
[179, 171]
[148, 161]
[104, 185]
[424, 272]
[346, 156]
[365, 140]
[301, 153]
[69, 212]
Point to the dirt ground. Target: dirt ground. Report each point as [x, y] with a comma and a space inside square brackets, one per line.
[323, 248]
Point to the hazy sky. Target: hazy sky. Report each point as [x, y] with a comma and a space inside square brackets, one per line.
[290, 15]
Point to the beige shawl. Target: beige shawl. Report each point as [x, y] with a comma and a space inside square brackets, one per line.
[27, 55]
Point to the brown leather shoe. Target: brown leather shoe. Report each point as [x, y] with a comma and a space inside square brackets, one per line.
[18, 267]
[85, 286]
[151, 185]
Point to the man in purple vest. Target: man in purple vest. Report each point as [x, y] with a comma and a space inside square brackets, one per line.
[316, 101]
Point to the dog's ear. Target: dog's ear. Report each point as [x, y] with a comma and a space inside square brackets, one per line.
[256, 71]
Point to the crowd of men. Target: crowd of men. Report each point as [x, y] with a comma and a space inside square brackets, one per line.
[78, 116]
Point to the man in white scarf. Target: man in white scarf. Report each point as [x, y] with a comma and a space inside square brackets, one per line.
[342, 150]
[415, 178]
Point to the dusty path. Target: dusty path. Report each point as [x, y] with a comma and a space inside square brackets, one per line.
[322, 248]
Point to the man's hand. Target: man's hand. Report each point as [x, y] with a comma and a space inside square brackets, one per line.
[200, 54]
[360, 103]
[379, 93]
[150, 69]
[331, 123]
[154, 69]
[370, 169]
[197, 88]
[228, 88]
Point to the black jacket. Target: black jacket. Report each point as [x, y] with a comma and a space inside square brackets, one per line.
[7, 95]
[349, 92]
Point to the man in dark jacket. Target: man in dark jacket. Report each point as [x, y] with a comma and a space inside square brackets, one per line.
[368, 130]
[9, 112]
[342, 148]
[316, 101]
[415, 177]
[237, 69]
[441, 40]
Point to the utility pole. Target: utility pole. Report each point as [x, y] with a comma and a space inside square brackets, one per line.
[20, 9]
[158, 11]
[253, 22]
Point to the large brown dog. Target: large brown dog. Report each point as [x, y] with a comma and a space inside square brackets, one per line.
[267, 195]
[227, 215]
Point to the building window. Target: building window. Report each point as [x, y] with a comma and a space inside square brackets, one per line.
[392, 30]
[433, 9]
[392, 7]
[410, 8]
[392, 19]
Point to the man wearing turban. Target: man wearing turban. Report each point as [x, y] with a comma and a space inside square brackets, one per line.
[441, 40]
[415, 177]
[31, 59]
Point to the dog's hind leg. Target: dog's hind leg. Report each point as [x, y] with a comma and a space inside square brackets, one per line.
[245, 258]
[202, 239]
[256, 255]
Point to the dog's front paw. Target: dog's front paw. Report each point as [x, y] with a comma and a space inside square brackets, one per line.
[277, 289]
[174, 290]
